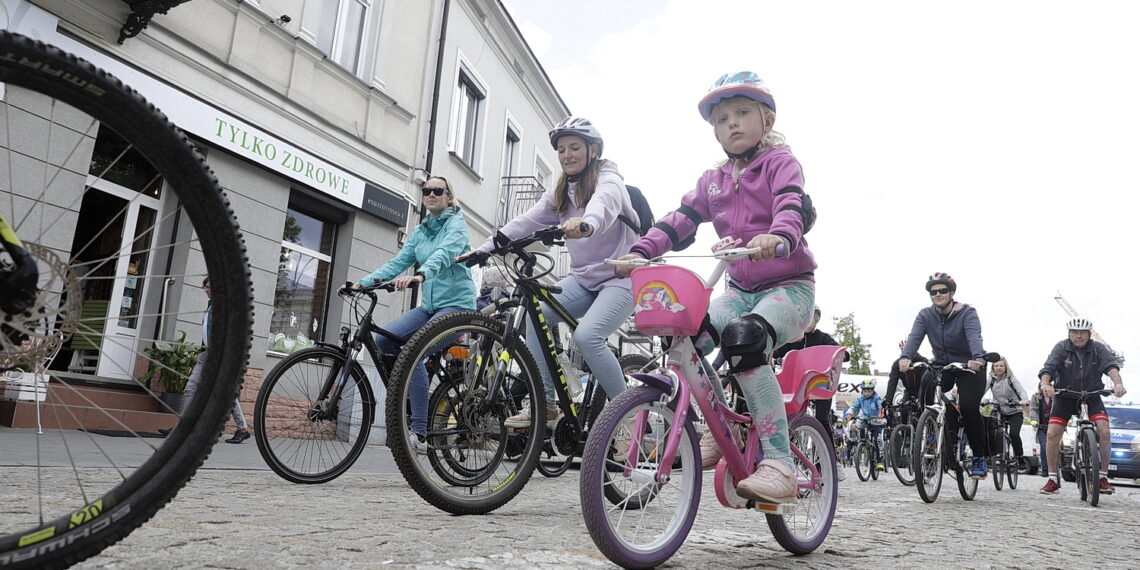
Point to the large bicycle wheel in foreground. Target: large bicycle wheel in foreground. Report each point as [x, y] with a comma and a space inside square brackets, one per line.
[116, 206]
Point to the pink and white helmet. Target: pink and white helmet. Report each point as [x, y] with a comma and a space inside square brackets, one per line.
[576, 126]
[731, 85]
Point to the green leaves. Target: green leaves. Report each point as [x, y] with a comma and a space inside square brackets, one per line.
[847, 334]
[171, 362]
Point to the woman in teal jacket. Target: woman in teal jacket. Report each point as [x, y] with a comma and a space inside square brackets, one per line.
[447, 286]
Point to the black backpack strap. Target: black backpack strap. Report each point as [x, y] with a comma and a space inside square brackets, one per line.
[625, 220]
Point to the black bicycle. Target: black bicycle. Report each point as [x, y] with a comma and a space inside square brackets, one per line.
[107, 204]
[1086, 452]
[867, 451]
[475, 463]
[904, 418]
[315, 409]
[1003, 462]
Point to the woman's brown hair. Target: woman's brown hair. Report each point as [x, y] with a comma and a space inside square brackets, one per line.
[583, 192]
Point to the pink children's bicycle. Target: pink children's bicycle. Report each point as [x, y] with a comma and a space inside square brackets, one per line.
[641, 469]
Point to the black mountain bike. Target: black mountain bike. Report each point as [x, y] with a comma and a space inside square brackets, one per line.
[1086, 452]
[475, 463]
[904, 417]
[106, 203]
[314, 413]
[1003, 462]
[867, 454]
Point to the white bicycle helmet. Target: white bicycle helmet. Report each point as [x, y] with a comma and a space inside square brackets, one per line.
[729, 85]
[577, 126]
[1079, 324]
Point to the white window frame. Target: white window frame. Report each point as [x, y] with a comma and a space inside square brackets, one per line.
[350, 57]
[512, 149]
[465, 134]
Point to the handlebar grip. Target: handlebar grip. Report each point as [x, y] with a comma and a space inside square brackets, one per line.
[584, 227]
[781, 251]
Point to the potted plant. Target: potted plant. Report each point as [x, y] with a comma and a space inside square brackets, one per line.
[171, 363]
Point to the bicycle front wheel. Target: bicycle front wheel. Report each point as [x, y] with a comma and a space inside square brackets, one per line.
[901, 440]
[1090, 469]
[473, 463]
[653, 521]
[864, 463]
[305, 438]
[117, 208]
[926, 456]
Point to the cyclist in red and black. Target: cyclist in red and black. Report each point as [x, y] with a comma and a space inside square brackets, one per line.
[1078, 363]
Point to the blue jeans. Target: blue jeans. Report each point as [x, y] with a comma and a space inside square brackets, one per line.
[404, 326]
[192, 386]
[599, 314]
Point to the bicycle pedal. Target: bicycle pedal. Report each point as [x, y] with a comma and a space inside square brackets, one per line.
[774, 508]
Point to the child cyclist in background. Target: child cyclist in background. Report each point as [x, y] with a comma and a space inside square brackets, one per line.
[755, 199]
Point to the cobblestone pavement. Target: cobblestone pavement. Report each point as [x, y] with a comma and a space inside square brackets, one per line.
[237, 514]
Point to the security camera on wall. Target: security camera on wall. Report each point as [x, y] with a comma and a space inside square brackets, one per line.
[419, 177]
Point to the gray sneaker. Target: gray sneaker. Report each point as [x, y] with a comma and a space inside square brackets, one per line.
[522, 419]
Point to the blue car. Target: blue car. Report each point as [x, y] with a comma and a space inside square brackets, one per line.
[1124, 425]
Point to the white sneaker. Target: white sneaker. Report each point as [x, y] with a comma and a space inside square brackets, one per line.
[710, 451]
[522, 420]
[773, 482]
[419, 444]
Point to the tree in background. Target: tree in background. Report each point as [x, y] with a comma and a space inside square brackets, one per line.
[847, 334]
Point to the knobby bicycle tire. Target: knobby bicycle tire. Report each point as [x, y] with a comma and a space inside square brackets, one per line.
[496, 461]
[1012, 463]
[301, 438]
[901, 439]
[53, 96]
[864, 463]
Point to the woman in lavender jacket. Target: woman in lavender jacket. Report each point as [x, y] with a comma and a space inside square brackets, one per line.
[590, 191]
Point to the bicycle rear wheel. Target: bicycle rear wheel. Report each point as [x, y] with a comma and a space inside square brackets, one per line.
[901, 440]
[805, 529]
[100, 185]
[926, 458]
[640, 532]
[1090, 471]
[1012, 465]
[304, 439]
[967, 485]
[474, 463]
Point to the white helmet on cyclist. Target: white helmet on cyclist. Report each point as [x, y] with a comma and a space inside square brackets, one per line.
[579, 127]
[729, 85]
[1079, 324]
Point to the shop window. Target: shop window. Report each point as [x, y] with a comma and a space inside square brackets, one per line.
[466, 119]
[341, 34]
[300, 300]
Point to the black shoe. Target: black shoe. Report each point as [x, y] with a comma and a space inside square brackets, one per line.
[163, 432]
[239, 436]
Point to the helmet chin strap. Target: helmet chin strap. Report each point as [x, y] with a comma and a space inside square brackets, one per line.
[581, 173]
[747, 154]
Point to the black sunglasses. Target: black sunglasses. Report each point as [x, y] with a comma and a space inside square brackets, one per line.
[437, 191]
[941, 291]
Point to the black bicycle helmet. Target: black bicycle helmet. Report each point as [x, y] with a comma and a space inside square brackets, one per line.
[940, 278]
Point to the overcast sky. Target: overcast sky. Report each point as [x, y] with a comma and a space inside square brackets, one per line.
[995, 141]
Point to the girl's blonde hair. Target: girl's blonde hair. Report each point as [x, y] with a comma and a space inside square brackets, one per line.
[583, 192]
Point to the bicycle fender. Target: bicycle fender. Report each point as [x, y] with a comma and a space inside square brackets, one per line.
[657, 381]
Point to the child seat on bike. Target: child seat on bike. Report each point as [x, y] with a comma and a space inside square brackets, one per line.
[807, 375]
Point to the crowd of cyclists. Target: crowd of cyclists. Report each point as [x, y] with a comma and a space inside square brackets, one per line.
[754, 198]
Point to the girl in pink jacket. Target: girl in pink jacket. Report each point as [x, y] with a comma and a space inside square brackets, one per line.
[754, 199]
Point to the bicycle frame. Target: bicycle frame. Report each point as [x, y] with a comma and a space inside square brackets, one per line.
[352, 344]
[940, 406]
[685, 381]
